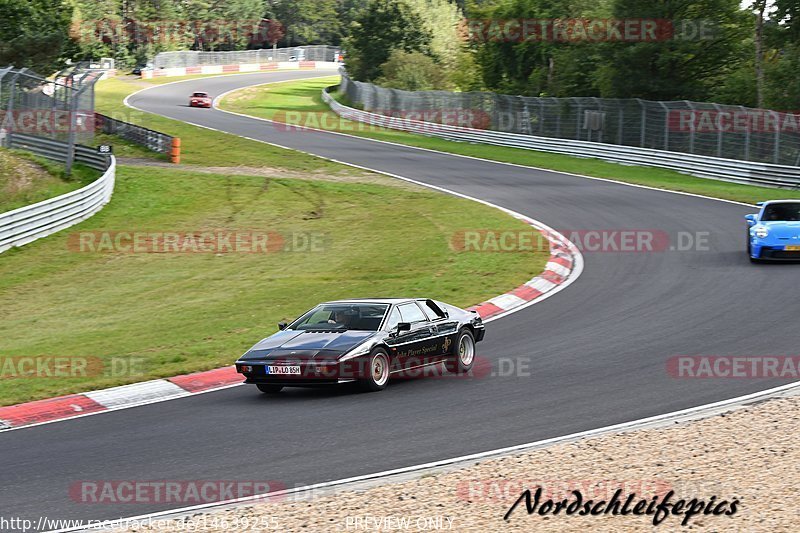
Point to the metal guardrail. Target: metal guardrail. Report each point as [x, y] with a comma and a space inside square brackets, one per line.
[150, 139]
[26, 224]
[746, 172]
[58, 150]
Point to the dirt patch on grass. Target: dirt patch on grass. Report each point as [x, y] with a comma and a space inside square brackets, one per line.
[348, 176]
[19, 175]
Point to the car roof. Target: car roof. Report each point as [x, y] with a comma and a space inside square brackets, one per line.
[781, 202]
[374, 300]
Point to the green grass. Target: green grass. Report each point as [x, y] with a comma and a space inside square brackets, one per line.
[271, 101]
[187, 312]
[26, 179]
[201, 146]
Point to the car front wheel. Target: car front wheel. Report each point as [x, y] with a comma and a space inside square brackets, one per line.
[376, 372]
[463, 356]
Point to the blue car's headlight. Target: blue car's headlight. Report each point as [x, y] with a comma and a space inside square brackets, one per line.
[761, 232]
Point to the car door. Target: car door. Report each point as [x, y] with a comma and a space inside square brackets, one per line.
[415, 345]
[443, 329]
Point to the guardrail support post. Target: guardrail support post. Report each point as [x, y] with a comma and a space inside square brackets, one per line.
[175, 152]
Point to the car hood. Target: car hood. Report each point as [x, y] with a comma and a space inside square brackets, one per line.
[783, 230]
[307, 344]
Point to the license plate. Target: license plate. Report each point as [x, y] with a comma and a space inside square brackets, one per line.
[283, 370]
[792, 248]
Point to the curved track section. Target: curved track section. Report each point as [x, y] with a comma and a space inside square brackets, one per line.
[598, 350]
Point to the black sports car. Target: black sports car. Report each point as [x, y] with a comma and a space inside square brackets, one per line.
[363, 340]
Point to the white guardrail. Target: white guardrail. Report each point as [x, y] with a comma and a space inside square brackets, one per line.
[747, 172]
[32, 222]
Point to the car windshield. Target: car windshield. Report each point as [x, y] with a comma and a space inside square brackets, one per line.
[786, 212]
[339, 317]
[200, 95]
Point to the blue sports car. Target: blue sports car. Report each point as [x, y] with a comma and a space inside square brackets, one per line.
[774, 232]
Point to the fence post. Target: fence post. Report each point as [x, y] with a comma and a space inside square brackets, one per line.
[73, 126]
[541, 115]
[10, 109]
[602, 119]
[777, 153]
[642, 124]
[746, 136]
[621, 127]
[2, 75]
[526, 115]
[691, 127]
[666, 125]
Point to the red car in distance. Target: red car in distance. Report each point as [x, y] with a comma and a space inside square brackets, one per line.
[200, 100]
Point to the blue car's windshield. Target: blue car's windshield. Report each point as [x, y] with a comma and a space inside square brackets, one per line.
[788, 212]
[338, 317]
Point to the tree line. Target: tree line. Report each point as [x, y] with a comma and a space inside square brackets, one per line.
[702, 50]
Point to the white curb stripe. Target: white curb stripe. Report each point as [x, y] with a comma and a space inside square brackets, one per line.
[541, 284]
[137, 393]
[561, 270]
[507, 301]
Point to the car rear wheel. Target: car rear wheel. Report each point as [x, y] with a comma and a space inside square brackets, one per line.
[463, 353]
[377, 371]
[269, 389]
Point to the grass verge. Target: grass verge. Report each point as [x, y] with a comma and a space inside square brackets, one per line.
[26, 179]
[273, 101]
[173, 313]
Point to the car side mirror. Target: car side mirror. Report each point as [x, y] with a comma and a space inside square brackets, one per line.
[403, 326]
[282, 325]
[751, 220]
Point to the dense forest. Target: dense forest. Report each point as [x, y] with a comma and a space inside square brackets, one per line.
[704, 50]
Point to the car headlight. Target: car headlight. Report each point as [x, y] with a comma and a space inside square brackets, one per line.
[358, 351]
[762, 232]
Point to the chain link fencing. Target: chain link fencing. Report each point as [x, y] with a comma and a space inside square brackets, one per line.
[264, 55]
[59, 109]
[707, 129]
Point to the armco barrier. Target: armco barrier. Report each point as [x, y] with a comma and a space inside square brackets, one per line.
[26, 224]
[747, 172]
[57, 150]
[150, 139]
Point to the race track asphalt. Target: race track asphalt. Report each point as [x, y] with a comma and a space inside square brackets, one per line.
[597, 350]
